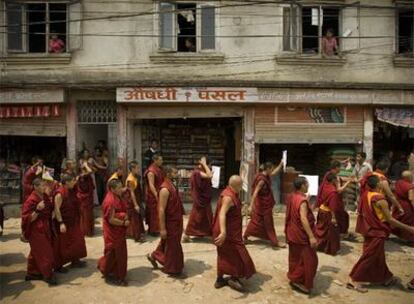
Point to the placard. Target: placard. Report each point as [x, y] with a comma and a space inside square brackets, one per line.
[313, 181]
[284, 160]
[215, 180]
[244, 174]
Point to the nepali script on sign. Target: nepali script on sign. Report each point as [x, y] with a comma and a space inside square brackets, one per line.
[170, 94]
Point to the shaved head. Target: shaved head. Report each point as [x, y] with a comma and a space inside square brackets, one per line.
[236, 182]
[407, 175]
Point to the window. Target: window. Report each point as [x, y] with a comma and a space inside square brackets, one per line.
[405, 31]
[36, 27]
[187, 27]
[305, 29]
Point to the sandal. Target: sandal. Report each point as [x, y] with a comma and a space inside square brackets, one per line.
[152, 261]
[356, 287]
[236, 285]
[391, 282]
[300, 288]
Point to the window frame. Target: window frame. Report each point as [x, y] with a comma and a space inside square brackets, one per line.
[299, 26]
[24, 27]
[198, 26]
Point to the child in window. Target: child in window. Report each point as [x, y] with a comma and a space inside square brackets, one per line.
[329, 44]
[56, 45]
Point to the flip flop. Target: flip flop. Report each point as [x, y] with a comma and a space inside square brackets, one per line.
[410, 286]
[236, 285]
[391, 282]
[355, 287]
[152, 261]
[299, 288]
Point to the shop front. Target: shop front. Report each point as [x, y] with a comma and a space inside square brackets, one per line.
[188, 123]
[32, 123]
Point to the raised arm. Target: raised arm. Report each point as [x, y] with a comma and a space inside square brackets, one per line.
[226, 204]
[162, 205]
[207, 173]
[277, 170]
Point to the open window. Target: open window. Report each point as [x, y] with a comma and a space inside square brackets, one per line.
[186, 27]
[405, 31]
[311, 30]
[36, 27]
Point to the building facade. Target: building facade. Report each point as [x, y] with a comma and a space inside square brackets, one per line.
[237, 80]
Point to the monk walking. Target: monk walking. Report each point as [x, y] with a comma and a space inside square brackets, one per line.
[36, 217]
[154, 178]
[372, 267]
[70, 244]
[169, 252]
[113, 264]
[201, 216]
[84, 193]
[35, 170]
[261, 224]
[233, 258]
[404, 191]
[299, 229]
[136, 228]
[334, 168]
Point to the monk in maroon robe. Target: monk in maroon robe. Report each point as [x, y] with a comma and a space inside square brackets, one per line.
[372, 267]
[36, 217]
[113, 264]
[327, 231]
[233, 258]
[84, 193]
[154, 178]
[335, 168]
[299, 229]
[201, 216]
[35, 170]
[70, 244]
[169, 252]
[404, 191]
[136, 229]
[261, 224]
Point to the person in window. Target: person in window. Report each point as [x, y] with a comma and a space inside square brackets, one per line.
[149, 154]
[190, 45]
[329, 44]
[56, 45]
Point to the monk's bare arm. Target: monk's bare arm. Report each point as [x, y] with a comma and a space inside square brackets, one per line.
[341, 189]
[207, 173]
[115, 221]
[88, 169]
[277, 170]
[383, 205]
[226, 204]
[58, 204]
[151, 183]
[164, 194]
[305, 223]
[255, 193]
[411, 196]
[133, 197]
[39, 207]
[391, 196]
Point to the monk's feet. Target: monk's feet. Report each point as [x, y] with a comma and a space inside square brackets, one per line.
[23, 239]
[391, 282]
[220, 283]
[356, 286]
[33, 277]
[152, 261]
[78, 264]
[61, 270]
[179, 276]
[51, 281]
[141, 240]
[280, 245]
[410, 286]
[235, 284]
[121, 283]
[246, 240]
[186, 239]
[300, 288]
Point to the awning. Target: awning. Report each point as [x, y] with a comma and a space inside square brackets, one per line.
[396, 116]
[23, 111]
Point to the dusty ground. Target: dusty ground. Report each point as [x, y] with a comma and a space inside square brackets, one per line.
[146, 286]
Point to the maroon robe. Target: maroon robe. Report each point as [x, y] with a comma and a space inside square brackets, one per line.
[169, 252]
[327, 234]
[321, 189]
[39, 234]
[303, 260]
[261, 223]
[27, 181]
[114, 261]
[201, 216]
[136, 227]
[151, 211]
[232, 257]
[69, 246]
[402, 187]
[372, 267]
[84, 194]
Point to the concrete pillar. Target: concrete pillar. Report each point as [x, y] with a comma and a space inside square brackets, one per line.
[122, 136]
[368, 144]
[71, 127]
[249, 148]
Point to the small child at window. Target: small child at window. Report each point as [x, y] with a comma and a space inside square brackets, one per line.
[56, 45]
[329, 44]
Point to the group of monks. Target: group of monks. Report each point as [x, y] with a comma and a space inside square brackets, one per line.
[57, 216]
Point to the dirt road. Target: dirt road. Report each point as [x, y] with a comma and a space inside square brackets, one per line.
[147, 286]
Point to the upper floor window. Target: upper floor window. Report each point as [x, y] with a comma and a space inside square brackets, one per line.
[405, 31]
[311, 30]
[187, 27]
[36, 27]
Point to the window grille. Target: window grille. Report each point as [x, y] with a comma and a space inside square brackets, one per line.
[96, 112]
